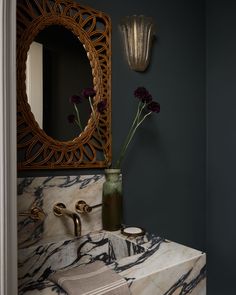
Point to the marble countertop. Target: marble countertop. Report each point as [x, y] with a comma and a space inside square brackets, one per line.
[150, 264]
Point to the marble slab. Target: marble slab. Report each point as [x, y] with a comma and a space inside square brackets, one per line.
[44, 192]
[150, 264]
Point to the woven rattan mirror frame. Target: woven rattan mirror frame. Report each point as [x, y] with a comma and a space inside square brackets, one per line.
[37, 150]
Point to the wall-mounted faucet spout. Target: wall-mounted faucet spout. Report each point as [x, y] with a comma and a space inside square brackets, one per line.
[59, 209]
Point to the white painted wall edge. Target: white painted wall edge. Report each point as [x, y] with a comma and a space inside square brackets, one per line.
[8, 207]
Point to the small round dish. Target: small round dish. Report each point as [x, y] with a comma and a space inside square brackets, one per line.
[132, 231]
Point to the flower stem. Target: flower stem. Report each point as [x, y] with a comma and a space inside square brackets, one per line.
[98, 129]
[143, 119]
[123, 148]
[136, 123]
[78, 118]
[134, 130]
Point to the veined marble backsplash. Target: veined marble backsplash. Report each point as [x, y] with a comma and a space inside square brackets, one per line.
[44, 192]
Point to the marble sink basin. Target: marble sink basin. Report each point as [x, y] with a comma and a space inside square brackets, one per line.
[37, 262]
[150, 264]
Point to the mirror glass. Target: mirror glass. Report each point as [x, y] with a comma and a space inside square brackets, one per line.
[57, 68]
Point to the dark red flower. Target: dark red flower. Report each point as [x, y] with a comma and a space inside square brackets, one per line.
[142, 94]
[101, 106]
[71, 118]
[75, 99]
[88, 92]
[154, 107]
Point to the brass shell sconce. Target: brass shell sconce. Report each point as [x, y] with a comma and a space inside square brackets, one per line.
[138, 33]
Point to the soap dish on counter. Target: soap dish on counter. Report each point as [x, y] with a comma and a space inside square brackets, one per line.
[132, 231]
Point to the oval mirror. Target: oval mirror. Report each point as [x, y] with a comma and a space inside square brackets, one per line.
[57, 68]
[90, 29]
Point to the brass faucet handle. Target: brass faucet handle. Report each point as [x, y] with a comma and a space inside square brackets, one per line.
[57, 209]
[35, 213]
[82, 207]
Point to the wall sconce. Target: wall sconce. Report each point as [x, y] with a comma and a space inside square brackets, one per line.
[138, 32]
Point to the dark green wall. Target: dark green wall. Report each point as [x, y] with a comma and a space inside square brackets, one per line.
[221, 106]
[164, 171]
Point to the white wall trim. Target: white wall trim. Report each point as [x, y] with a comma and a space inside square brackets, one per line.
[8, 208]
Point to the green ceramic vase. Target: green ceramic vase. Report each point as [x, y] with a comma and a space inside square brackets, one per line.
[112, 200]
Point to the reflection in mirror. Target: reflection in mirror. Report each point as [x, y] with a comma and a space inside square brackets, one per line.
[61, 57]
[34, 80]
